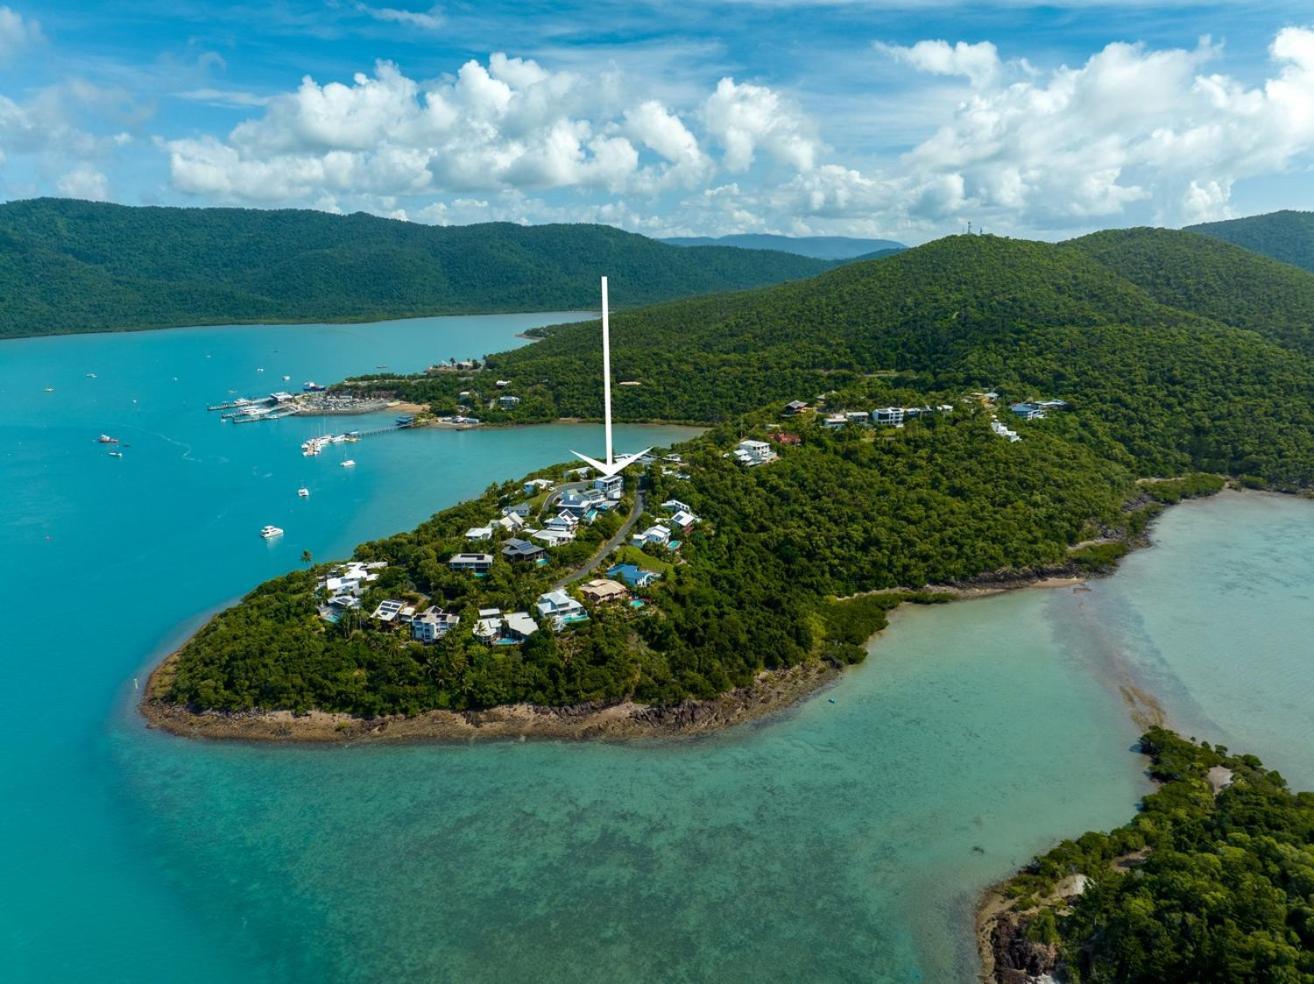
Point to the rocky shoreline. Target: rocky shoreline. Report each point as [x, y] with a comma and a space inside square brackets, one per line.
[616, 721]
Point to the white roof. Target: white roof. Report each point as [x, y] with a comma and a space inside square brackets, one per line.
[521, 622]
[684, 518]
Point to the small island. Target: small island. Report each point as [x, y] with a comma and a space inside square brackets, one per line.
[1212, 880]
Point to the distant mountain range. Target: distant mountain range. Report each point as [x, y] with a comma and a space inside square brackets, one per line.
[1287, 236]
[73, 266]
[817, 247]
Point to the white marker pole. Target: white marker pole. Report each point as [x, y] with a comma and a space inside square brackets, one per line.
[606, 371]
[611, 466]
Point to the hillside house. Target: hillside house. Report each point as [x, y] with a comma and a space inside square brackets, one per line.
[516, 549]
[1005, 432]
[508, 402]
[683, 520]
[660, 535]
[472, 563]
[611, 486]
[887, 416]
[795, 407]
[560, 609]
[633, 575]
[750, 453]
[432, 624]
[479, 533]
[351, 578]
[393, 611]
[601, 591]
[552, 538]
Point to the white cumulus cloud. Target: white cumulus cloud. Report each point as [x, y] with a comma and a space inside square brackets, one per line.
[16, 32]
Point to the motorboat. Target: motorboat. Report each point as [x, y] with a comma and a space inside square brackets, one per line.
[269, 532]
[303, 492]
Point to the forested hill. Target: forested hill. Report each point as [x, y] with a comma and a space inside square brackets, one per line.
[1162, 387]
[70, 266]
[1287, 236]
[1212, 278]
[1152, 390]
[818, 247]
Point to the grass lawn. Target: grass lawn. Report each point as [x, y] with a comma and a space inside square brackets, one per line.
[630, 554]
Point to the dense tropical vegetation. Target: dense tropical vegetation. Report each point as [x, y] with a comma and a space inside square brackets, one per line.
[1212, 881]
[1287, 235]
[1156, 390]
[70, 266]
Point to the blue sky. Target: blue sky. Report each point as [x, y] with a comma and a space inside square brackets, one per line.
[903, 120]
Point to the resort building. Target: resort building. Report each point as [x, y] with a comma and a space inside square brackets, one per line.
[521, 550]
[601, 591]
[887, 416]
[751, 453]
[474, 563]
[432, 624]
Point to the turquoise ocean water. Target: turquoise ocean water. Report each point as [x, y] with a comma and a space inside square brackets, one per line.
[842, 840]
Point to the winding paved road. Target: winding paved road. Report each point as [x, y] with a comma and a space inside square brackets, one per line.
[589, 566]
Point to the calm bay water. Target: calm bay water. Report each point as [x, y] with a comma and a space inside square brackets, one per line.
[843, 840]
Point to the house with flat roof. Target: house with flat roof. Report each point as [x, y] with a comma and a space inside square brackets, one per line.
[432, 624]
[536, 485]
[351, 578]
[887, 416]
[508, 402]
[612, 486]
[674, 505]
[473, 563]
[1005, 432]
[750, 453]
[516, 549]
[633, 575]
[393, 611]
[601, 591]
